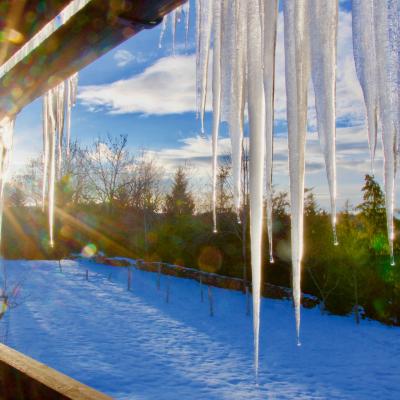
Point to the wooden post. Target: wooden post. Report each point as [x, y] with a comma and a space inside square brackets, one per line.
[201, 289]
[210, 300]
[129, 278]
[87, 275]
[59, 266]
[168, 291]
[158, 275]
[247, 300]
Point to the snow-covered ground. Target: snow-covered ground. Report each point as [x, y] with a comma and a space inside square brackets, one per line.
[135, 345]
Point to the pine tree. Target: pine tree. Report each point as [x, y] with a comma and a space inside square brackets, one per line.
[180, 201]
[373, 207]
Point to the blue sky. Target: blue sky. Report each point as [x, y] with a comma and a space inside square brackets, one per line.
[148, 93]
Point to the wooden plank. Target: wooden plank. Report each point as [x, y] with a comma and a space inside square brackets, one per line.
[21, 19]
[24, 378]
[97, 28]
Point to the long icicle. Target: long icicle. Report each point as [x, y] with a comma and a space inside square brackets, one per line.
[186, 10]
[323, 34]
[235, 113]
[270, 16]
[297, 78]
[52, 98]
[394, 39]
[174, 19]
[365, 58]
[6, 142]
[387, 112]
[204, 36]
[256, 109]
[162, 32]
[72, 87]
[216, 89]
[45, 147]
[60, 111]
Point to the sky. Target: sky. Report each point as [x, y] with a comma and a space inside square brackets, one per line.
[148, 93]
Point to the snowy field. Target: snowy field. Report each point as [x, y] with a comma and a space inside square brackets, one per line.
[135, 345]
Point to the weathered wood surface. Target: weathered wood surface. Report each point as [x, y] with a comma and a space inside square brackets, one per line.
[22, 378]
[93, 31]
[20, 20]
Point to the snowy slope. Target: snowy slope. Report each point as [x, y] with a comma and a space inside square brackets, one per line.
[134, 345]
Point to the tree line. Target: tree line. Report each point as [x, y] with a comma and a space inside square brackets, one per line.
[122, 204]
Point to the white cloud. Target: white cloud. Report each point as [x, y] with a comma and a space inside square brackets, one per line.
[125, 57]
[166, 87]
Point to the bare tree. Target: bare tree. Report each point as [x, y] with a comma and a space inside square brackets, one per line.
[109, 166]
[144, 190]
[74, 174]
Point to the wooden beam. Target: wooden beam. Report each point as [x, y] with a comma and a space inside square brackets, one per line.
[21, 19]
[94, 30]
[24, 378]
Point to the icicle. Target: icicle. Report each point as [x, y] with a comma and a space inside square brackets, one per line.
[235, 113]
[71, 83]
[45, 147]
[233, 73]
[60, 111]
[174, 19]
[387, 103]
[163, 29]
[365, 58]
[186, 10]
[256, 108]
[204, 34]
[216, 89]
[52, 126]
[297, 76]
[394, 41]
[270, 15]
[323, 32]
[6, 141]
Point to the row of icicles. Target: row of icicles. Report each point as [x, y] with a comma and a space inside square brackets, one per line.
[242, 37]
[57, 106]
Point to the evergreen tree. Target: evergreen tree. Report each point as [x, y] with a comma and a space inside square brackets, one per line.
[373, 216]
[180, 201]
[373, 206]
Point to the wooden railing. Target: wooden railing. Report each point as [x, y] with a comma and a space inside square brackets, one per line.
[22, 378]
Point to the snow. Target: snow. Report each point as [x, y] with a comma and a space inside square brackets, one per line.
[134, 345]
